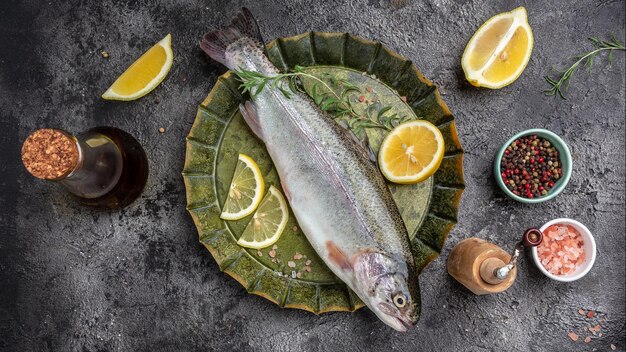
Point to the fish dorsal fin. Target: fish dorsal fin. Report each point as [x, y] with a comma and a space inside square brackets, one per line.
[363, 144]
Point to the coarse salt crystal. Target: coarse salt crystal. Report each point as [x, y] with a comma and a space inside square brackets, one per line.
[573, 336]
[291, 264]
[561, 249]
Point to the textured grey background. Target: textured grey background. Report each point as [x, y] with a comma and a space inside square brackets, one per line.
[138, 280]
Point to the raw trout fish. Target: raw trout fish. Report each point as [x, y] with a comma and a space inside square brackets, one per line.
[337, 194]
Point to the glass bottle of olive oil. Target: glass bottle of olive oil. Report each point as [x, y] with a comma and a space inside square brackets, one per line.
[103, 167]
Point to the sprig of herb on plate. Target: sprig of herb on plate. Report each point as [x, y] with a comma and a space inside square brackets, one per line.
[562, 83]
[334, 97]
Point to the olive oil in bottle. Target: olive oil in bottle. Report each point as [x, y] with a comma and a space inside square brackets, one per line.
[103, 167]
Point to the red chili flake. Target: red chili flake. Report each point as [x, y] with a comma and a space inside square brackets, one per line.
[403, 98]
[587, 339]
[590, 314]
[573, 336]
[291, 264]
[362, 98]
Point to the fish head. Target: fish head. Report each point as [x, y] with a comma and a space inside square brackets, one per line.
[391, 292]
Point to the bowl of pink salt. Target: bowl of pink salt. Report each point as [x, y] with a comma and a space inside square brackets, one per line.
[567, 251]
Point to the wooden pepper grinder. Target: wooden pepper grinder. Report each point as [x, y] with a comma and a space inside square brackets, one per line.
[485, 268]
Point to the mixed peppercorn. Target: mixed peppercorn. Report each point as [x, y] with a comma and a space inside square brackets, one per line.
[530, 166]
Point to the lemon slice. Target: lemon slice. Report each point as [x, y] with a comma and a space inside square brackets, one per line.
[499, 50]
[245, 191]
[411, 152]
[144, 74]
[268, 223]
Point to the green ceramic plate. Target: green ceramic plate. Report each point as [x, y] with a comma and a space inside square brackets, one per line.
[219, 134]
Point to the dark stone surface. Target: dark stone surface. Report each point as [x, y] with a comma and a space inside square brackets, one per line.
[137, 280]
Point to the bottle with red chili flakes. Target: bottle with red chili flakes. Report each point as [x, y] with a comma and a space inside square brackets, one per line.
[104, 166]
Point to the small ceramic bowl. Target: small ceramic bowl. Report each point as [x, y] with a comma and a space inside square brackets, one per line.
[589, 248]
[565, 161]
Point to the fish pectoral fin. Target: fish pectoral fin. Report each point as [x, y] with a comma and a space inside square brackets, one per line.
[249, 112]
[337, 256]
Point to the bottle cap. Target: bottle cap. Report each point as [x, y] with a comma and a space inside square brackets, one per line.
[50, 154]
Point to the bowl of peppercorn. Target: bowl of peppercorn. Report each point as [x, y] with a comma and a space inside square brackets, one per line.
[533, 166]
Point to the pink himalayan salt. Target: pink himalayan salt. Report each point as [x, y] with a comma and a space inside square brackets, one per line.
[561, 250]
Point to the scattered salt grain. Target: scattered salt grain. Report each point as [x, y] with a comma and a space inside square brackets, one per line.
[293, 274]
[291, 264]
[298, 274]
[595, 329]
[273, 260]
[308, 262]
[297, 256]
[403, 98]
[580, 311]
[613, 347]
[259, 253]
[573, 336]
[274, 247]
[308, 269]
[272, 253]
[587, 339]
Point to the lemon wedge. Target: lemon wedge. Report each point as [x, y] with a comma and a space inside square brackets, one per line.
[499, 50]
[144, 74]
[411, 152]
[245, 191]
[267, 223]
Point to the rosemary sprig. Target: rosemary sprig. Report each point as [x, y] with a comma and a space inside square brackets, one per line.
[557, 86]
[335, 98]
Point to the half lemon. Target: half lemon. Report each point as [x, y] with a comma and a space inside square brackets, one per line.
[499, 50]
[145, 74]
[245, 191]
[267, 223]
[411, 152]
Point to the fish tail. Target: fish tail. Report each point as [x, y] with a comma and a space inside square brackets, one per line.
[243, 25]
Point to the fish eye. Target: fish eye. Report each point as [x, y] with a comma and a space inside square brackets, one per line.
[399, 300]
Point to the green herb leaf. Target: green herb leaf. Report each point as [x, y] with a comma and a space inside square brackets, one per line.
[586, 59]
